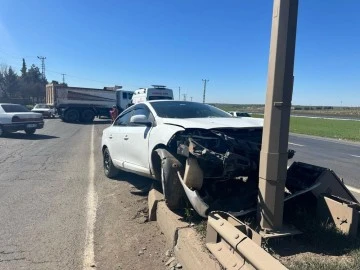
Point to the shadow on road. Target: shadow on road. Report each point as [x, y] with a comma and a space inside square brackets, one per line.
[34, 137]
[141, 185]
[96, 122]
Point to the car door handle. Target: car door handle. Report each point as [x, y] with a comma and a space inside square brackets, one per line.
[110, 136]
[126, 138]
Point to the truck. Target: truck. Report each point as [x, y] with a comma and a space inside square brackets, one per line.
[79, 104]
[155, 92]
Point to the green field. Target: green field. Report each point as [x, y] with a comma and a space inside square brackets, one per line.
[337, 129]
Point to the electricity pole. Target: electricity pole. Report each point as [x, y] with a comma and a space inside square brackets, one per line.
[42, 58]
[205, 81]
[179, 92]
[63, 75]
[184, 97]
[191, 98]
[274, 147]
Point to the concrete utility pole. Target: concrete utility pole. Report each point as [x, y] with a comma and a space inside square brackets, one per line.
[205, 81]
[42, 58]
[274, 156]
[184, 97]
[179, 92]
[63, 75]
[191, 98]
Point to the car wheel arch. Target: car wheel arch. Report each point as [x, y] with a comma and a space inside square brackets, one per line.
[155, 161]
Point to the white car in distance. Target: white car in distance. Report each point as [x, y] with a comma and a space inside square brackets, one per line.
[197, 151]
[45, 109]
[15, 117]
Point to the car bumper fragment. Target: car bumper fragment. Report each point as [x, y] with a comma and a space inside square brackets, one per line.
[23, 126]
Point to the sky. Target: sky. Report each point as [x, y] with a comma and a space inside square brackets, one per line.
[177, 43]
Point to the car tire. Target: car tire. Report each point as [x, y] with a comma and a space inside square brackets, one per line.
[72, 115]
[2, 131]
[109, 169]
[174, 193]
[87, 116]
[30, 131]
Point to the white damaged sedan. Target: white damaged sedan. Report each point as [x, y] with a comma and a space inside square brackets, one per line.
[198, 152]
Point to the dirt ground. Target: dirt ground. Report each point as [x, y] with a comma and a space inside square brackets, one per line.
[124, 239]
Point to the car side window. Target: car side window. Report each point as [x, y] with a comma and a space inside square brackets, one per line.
[124, 120]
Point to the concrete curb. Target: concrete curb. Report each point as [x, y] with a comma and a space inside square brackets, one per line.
[187, 246]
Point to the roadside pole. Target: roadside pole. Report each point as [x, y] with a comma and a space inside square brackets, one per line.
[273, 156]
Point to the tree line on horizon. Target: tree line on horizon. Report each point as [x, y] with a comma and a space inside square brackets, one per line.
[28, 85]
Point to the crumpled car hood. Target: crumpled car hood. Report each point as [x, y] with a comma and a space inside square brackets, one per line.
[210, 123]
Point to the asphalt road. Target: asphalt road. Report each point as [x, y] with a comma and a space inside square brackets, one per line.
[58, 210]
[340, 156]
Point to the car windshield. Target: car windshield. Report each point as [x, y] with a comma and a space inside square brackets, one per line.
[41, 106]
[183, 109]
[10, 108]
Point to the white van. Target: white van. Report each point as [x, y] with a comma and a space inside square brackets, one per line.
[155, 93]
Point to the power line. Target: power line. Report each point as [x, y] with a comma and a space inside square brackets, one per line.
[205, 81]
[16, 56]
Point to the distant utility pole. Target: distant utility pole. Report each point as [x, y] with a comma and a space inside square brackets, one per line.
[191, 98]
[42, 58]
[184, 97]
[205, 81]
[63, 75]
[179, 92]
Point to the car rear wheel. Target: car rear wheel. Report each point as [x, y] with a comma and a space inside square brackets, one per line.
[30, 131]
[174, 193]
[109, 169]
[1, 131]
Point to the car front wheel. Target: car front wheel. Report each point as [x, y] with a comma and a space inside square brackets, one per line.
[30, 131]
[109, 169]
[174, 193]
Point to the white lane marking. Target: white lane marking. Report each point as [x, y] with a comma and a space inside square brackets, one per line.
[352, 189]
[91, 205]
[323, 139]
[355, 156]
[296, 144]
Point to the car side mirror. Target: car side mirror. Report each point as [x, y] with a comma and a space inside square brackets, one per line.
[140, 120]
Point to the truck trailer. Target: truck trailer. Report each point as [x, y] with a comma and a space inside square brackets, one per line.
[79, 104]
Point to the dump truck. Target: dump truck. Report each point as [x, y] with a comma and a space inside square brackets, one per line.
[79, 104]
